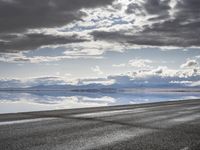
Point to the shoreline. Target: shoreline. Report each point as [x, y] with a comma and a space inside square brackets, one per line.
[24, 115]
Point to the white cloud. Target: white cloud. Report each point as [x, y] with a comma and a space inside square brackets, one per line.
[112, 18]
[197, 83]
[190, 64]
[68, 74]
[140, 63]
[119, 65]
[183, 82]
[106, 99]
[160, 70]
[103, 81]
[22, 58]
[160, 77]
[97, 70]
[85, 50]
[57, 73]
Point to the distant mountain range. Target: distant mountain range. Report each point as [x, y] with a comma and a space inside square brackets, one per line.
[94, 87]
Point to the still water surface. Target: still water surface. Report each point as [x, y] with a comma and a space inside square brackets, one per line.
[11, 102]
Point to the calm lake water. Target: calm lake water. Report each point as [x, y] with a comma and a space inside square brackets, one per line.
[11, 102]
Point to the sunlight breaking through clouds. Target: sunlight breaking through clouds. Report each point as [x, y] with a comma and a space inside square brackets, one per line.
[101, 37]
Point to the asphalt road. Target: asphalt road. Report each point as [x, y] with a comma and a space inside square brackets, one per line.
[156, 126]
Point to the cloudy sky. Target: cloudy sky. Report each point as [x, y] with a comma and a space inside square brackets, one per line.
[100, 40]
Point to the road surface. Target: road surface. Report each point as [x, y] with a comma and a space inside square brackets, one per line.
[156, 126]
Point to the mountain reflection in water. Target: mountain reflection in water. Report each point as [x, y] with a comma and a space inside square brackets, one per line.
[11, 102]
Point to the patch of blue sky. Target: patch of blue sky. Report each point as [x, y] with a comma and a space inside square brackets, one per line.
[170, 58]
[52, 52]
[78, 28]
[118, 20]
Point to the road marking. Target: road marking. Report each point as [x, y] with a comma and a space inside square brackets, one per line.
[185, 148]
[24, 121]
[86, 142]
[187, 118]
[109, 113]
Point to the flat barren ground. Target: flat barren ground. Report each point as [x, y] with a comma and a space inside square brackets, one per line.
[156, 126]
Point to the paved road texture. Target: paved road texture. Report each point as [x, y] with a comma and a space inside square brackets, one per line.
[156, 126]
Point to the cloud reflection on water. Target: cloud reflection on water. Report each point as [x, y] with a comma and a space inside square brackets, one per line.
[22, 102]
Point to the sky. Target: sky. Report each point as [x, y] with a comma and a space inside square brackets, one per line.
[106, 41]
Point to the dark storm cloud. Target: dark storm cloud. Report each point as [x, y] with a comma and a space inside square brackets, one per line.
[132, 8]
[17, 16]
[156, 6]
[150, 6]
[182, 30]
[166, 34]
[34, 41]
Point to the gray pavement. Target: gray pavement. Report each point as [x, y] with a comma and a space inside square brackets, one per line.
[156, 126]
